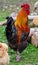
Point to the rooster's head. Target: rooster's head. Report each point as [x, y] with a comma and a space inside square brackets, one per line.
[26, 8]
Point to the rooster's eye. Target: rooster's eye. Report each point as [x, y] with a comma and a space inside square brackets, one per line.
[27, 9]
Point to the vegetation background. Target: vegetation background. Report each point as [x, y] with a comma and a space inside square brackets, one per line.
[9, 6]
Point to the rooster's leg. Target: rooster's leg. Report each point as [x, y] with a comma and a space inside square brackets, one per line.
[18, 57]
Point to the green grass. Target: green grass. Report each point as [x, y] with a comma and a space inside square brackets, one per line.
[3, 15]
[29, 55]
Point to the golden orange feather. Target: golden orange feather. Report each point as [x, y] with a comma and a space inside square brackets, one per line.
[21, 23]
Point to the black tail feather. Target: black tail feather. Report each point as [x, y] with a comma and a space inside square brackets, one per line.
[7, 17]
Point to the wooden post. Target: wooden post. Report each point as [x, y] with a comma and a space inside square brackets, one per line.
[30, 18]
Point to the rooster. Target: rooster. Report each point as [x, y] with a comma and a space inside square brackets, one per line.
[17, 31]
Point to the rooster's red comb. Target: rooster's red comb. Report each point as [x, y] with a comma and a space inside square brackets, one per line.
[25, 6]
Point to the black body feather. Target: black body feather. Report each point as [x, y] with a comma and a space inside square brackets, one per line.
[11, 33]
